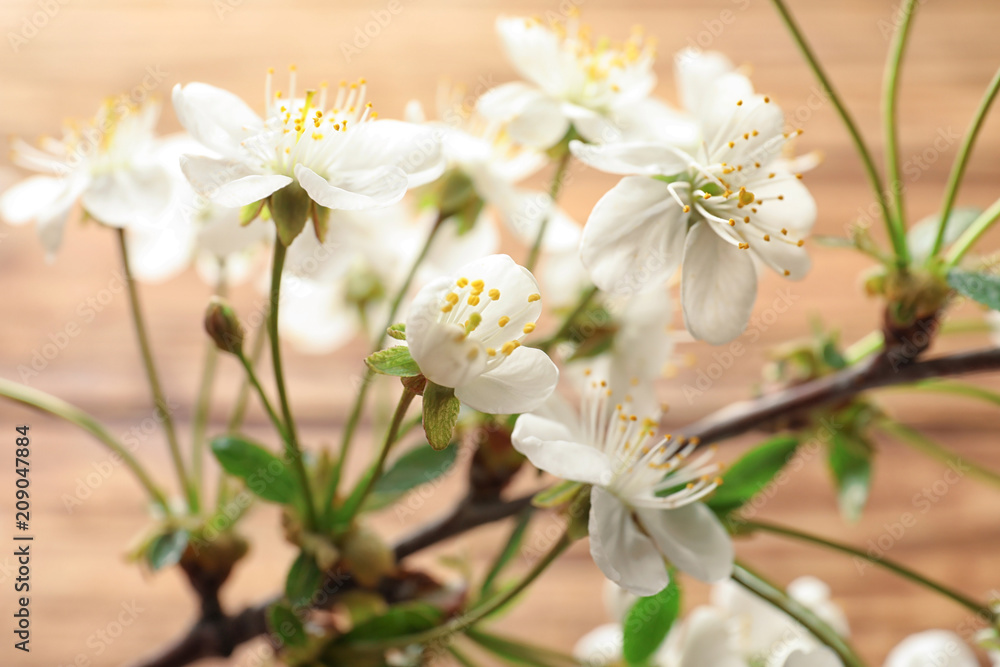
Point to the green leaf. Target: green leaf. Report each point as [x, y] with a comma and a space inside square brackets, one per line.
[286, 624]
[394, 361]
[981, 287]
[921, 236]
[556, 495]
[250, 212]
[397, 331]
[648, 621]
[401, 619]
[832, 356]
[850, 460]
[751, 473]
[418, 466]
[509, 551]
[303, 580]
[440, 414]
[264, 473]
[166, 549]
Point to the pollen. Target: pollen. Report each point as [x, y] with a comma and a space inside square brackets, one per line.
[473, 300]
[494, 294]
[787, 272]
[528, 328]
[502, 322]
[534, 297]
[509, 347]
[491, 352]
[462, 282]
[784, 231]
[767, 237]
[800, 243]
[687, 209]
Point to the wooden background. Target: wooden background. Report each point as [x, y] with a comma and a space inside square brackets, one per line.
[92, 48]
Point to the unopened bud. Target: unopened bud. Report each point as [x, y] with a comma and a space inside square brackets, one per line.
[223, 326]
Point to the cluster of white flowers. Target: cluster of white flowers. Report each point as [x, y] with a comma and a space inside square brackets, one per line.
[706, 189]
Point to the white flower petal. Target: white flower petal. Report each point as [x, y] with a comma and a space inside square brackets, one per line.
[814, 594]
[702, 639]
[550, 447]
[795, 211]
[229, 182]
[624, 554]
[601, 646]
[639, 158]
[217, 118]
[394, 146]
[820, 656]
[355, 190]
[692, 538]
[121, 197]
[932, 648]
[534, 51]
[718, 286]
[159, 252]
[25, 201]
[634, 237]
[315, 317]
[450, 359]
[534, 119]
[520, 383]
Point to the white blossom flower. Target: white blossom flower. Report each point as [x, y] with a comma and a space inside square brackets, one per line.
[194, 229]
[644, 500]
[932, 648]
[343, 288]
[600, 90]
[339, 154]
[466, 333]
[718, 204]
[109, 165]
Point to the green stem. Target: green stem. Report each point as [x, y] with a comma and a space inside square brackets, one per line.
[884, 563]
[460, 657]
[567, 325]
[272, 414]
[39, 400]
[473, 616]
[769, 592]
[962, 160]
[243, 395]
[199, 423]
[955, 388]
[969, 237]
[898, 242]
[928, 447]
[291, 440]
[162, 409]
[557, 181]
[368, 483]
[890, 93]
[359, 401]
[863, 347]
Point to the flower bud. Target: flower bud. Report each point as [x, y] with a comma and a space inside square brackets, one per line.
[223, 326]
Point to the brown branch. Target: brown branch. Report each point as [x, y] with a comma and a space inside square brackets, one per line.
[878, 371]
[219, 635]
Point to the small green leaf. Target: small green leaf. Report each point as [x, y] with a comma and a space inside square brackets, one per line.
[832, 356]
[440, 414]
[394, 361]
[397, 331]
[751, 473]
[418, 466]
[286, 624]
[920, 238]
[981, 287]
[648, 621]
[509, 551]
[850, 461]
[290, 209]
[264, 473]
[166, 550]
[556, 495]
[401, 619]
[303, 580]
[251, 212]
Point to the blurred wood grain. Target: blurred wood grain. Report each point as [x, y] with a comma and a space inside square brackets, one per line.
[88, 49]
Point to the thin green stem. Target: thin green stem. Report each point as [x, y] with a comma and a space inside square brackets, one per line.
[460, 657]
[885, 563]
[243, 395]
[162, 409]
[769, 592]
[475, 615]
[291, 440]
[962, 160]
[391, 436]
[199, 422]
[517, 651]
[567, 325]
[928, 447]
[863, 347]
[557, 182]
[43, 402]
[354, 418]
[890, 97]
[956, 389]
[898, 242]
[969, 237]
[272, 414]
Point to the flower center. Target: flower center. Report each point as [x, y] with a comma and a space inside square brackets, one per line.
[497, 323]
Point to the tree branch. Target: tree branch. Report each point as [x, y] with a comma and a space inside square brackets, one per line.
[878, 371]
